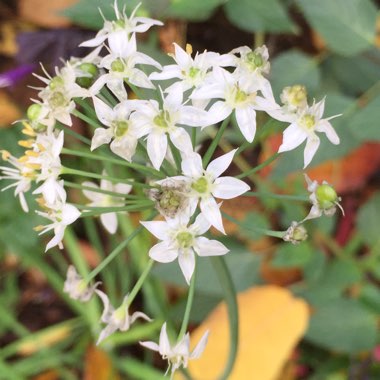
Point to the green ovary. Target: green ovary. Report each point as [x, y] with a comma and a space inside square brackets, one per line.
[200, 185]
[121, 128]
[57, 99]
[117, 65]
[255, 60]
[162, 120]
[185, 239]
[240, 96]
[308, 121]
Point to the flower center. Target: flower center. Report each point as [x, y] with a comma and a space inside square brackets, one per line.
[120, 313]
[121, 128]
[200, 185]
[119, 24]
[308, 121]
[193, 72]
[162, 120]
[57, 99]
[55, 83]
[185, 239]
[117, 65]
[254, 60]
[240, 96]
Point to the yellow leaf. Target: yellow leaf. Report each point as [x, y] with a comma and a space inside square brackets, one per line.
[271, 322]
[98, 366]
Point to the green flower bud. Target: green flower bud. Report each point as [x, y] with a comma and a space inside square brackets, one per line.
[33, 112]
[326, 196]
[88, 68]
[117, 65]
[295, 233]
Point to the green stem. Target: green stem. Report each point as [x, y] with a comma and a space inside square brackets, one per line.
[300, 198]
[190, 298]
[70, 132]
[98, 190]
[132, 208]
[211, 149]
[99, 157]
[140, 282]
[176, 155]
[226, 283]
[258, 167]
[87, 107]
[72, 171]
[115, 252]
[87, 119]
[277, 234]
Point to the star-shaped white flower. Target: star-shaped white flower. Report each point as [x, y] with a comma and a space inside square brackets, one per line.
[205, 184]
[116, 319]
[237, 95]
[109, 219]
[178, 240]
[304, 126]
[122, 130]
[178, 354]
[76, 287]
[120, 30]
[164, 121]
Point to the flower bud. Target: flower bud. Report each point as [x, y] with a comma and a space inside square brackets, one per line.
[33, 112]
[90, 72]
[326, 196]
[295, 233]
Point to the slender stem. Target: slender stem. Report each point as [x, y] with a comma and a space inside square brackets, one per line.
[128, 207]
[114, 253]
[176, 156]
[258, 167]
[300, 198]
[87, 119]
[100, 157]
[211, 149]
[277, 234]
[105, 92]
[102, 191]
[70, 132]
[189, 303]
[118, 209]
[226, 283]
[87, 107]
[72, 171]
[140, 282]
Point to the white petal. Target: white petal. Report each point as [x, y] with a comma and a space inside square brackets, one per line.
[151, 345]
[207, 247]
[220, 164]
[229, 187]
[326, 127]
[69, 214]
[109, 221]
[201, 225]
[157, 147]
[168, 72]
[181, 140]
[200, 347]
[158, 228]
[118, 42]
[194, 117]
[107, 307]
[293, 136]
[164, 341]
[96, 41]
[192, 166]
[101, 136]
[106, 332]
[139, 314]
[186, 261]
[210, 210]
[218, 112]
[57, 239]
[163, 253]
[246, 120]
[104, 113]
[92, 195]
[124, 148]
[312, 145]
[183, 59]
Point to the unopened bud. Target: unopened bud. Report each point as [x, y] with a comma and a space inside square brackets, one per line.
[326, 196]
[295, 233]
[33, 112]
[91, 71]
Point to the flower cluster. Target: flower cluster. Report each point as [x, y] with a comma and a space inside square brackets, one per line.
[155, 136]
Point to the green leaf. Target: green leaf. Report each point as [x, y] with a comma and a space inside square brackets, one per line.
[347, 26]
[368, 220]
[370, 297]
[343, 325]
[289, 255]
[294, 67]
[259, 16]
[364, 124]
[194, 10]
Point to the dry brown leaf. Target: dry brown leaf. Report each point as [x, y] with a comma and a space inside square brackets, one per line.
[45, 13]
[49, 375]
[9, 112]
[172, 31]
[271, 322]
[98, 366]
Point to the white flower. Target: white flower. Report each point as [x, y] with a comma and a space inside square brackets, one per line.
[191, 72]
[178, 240]
[109, 219]
[165, 120]
[303, 127]
[179, 354]
[251, 67]
[205, 184]
[323, 197]
[22, 176]
[122, 130]
[61, 215]
[76, 287]
[121, 65]
[238, 95]
[59, 92]
[116, 319]
[121, 29]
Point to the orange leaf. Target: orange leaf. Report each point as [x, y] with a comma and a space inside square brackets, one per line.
[271, 322]
[9, 112]
[98, 366]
